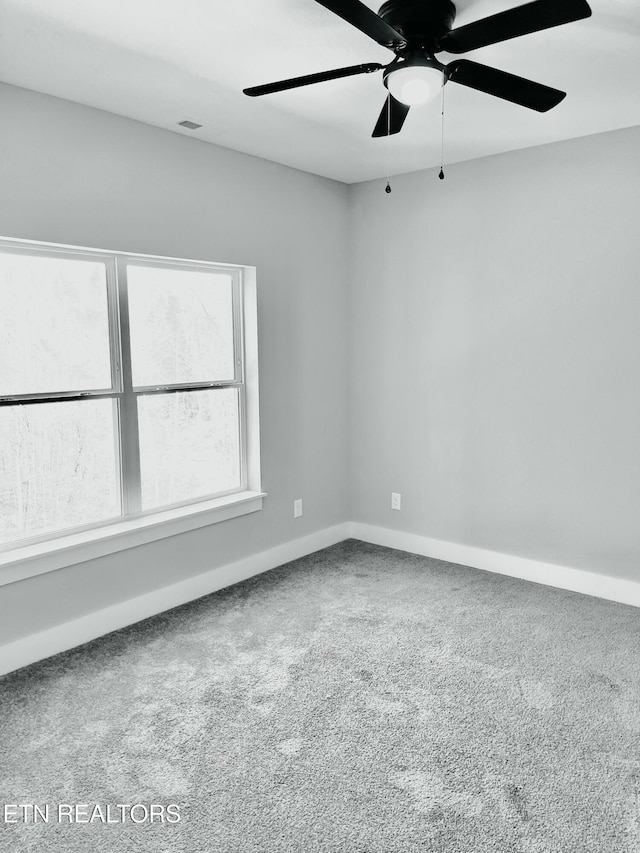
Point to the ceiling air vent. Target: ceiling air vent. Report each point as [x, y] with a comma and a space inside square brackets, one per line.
[190, 125]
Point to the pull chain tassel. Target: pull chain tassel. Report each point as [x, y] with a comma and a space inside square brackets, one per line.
[441, 175]
[387, 189]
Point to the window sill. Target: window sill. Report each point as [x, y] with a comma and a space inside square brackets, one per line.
[31, 560]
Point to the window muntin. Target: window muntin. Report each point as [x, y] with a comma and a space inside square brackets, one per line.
[201, 386]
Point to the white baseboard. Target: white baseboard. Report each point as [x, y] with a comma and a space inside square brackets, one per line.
[63, 637]
[561, 577]
[35, 647]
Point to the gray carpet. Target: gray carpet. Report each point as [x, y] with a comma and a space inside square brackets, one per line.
[360, 700]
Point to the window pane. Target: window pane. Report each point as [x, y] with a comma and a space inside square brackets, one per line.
[181, 326]
[189, 445]
[54, 325]
[58, 467]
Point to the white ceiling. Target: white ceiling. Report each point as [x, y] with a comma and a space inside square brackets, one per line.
[161, 61]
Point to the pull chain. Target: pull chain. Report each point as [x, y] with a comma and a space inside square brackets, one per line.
[441, 175]
[387, 189]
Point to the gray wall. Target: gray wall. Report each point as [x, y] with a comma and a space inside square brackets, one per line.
[472, 344]
[72, 174]
[495, 353]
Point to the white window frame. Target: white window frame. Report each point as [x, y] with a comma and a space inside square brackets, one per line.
[37, 555]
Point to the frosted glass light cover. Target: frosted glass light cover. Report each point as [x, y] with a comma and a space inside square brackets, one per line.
[415, 84]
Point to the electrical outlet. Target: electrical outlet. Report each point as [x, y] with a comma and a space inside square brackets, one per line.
[396, 500]
[297, 508]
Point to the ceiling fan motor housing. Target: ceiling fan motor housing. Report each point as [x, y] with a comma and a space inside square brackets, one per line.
[416, 30]
[421, 22]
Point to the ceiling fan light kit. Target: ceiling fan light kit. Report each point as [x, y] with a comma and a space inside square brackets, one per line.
[416, 30]
[414, 82]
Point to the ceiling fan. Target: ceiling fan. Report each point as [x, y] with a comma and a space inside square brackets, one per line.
[415, 30]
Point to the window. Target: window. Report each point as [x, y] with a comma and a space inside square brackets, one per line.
[128, 388]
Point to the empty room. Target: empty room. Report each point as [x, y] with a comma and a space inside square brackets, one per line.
[319, 426]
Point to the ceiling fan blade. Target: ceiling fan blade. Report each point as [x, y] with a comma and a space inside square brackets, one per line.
[294, 82]
[391, 118]
[530, 18]
[518, 90]
[365, 20]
